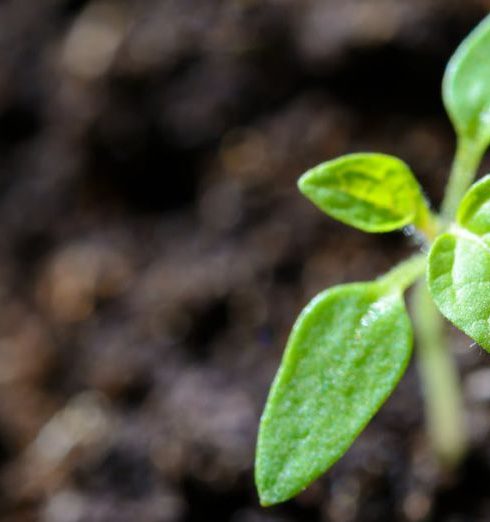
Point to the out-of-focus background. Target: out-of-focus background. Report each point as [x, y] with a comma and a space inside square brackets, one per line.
[154, 250]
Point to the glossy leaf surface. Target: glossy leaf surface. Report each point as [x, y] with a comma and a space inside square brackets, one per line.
[346, 352]
[466, 85]
[372, 192]
[459, 266]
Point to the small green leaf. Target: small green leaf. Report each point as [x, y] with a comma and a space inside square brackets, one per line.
[474, 209]
[346, 352]
[466, 85]
[372, 192]
[459, 266]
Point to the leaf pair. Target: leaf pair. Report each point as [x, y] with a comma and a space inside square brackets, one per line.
[351, 344]
[459, 260]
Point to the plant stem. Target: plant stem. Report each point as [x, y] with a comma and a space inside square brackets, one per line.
[463, 171]
[405, 273]
[440, 381]
[428, 225]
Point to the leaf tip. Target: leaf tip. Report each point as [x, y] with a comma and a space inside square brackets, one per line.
[265, 501]
[268, 496]
[304, 183]
[270, 488]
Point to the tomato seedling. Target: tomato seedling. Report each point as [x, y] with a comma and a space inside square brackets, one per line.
[351, 344]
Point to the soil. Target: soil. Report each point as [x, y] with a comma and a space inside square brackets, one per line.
[154, 250]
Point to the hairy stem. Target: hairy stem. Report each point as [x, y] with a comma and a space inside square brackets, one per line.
[463, 172]
[440, 382]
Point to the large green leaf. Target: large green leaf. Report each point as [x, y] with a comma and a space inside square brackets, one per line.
[372, 192]
[466, 85]
[459, 266]
[347, 351]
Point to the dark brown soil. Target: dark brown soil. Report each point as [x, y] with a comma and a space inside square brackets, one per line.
[154, 250]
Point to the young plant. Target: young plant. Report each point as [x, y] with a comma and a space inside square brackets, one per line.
[351, 344]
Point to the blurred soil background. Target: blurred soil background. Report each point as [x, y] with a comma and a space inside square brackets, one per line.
[154, 249]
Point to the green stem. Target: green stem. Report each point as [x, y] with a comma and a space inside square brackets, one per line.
[440, 382]
[463, 171]
[405, 273]
[428, 225]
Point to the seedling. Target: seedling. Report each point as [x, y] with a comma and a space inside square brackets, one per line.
[351, 344]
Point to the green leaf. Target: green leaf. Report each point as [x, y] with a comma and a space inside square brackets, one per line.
[372, 192]
[459, 266]
[346, 352]
[474, 209]
[466, 85]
